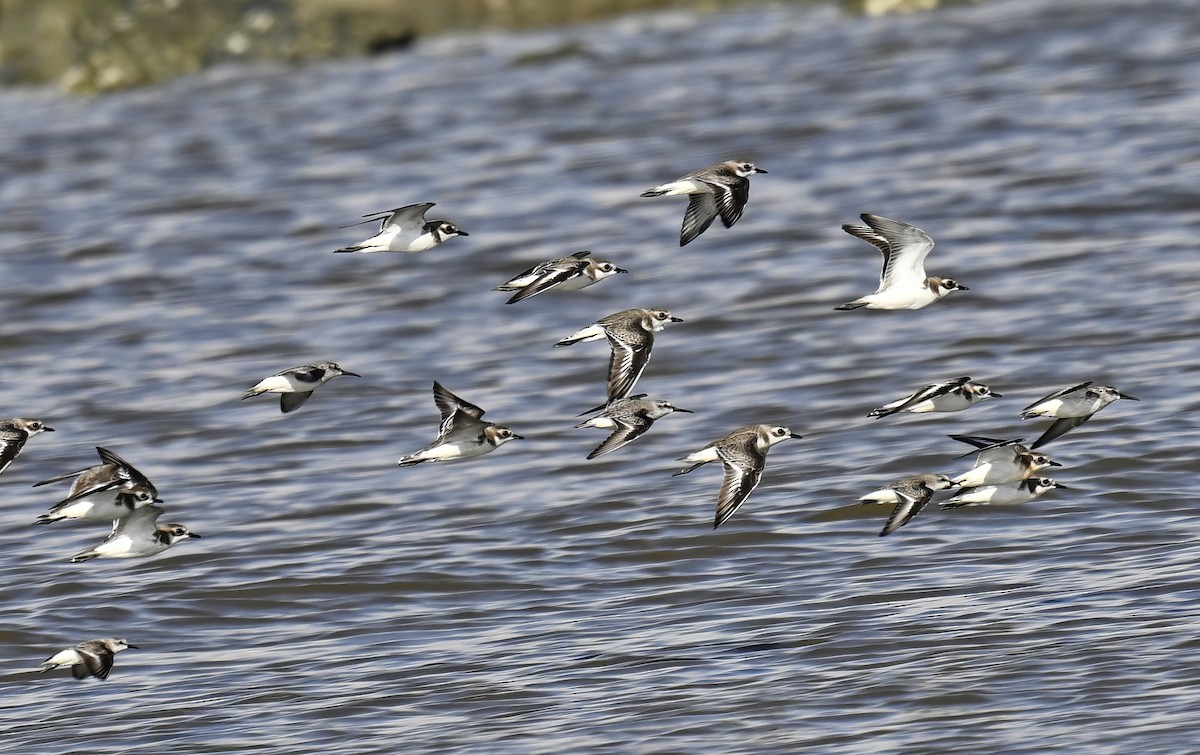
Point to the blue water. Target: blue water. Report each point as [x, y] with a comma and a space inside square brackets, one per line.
[164, 249]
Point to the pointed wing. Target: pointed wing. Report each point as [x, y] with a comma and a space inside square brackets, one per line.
[627, 362]
[560, 271]
[908, 246]
[874, 239]
[743, 464]
[731, 199]
[449, 404]
[97, 660]
[931, 391]
[106, 477]
[701, 212]
[126, 471]
[987, 448]
[1058, 394]
[61, 477]
[290, 402]
[904, 511]
[11, 443]
[1059, 428]
[628, 429]
[138, 523]
[409, 216]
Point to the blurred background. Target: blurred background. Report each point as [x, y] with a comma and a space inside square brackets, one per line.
[176, 176]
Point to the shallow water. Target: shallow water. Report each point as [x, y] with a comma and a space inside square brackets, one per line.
[164, 249]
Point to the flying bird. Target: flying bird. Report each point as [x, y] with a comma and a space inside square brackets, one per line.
[630, 333]
[628, 418]
[296, 384]
[13, 435]
[1071, 407]
[722, 189]
[903, 283]
[88, 658]
[1000, 462]
[569, 273]
[743, 456]
[909, 495]
[463, 433]
[946, 396]
[405, 229]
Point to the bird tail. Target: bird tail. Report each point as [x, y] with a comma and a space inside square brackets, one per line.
[851, 305]
[655, 192]
[84, 556]
[410, 460]
[47, 518]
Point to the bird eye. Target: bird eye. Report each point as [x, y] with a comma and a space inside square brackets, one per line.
[606, 267]
[747, 167]
[36, 425]
[179, 530]
[780, 431]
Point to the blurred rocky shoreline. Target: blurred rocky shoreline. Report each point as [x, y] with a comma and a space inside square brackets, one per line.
[94, 46]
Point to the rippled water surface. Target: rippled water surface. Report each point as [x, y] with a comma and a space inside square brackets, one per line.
[162, 250]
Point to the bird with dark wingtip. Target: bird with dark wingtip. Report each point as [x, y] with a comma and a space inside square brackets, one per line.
[1070, 408]
[743, 456]
[630, 334]
[722, 189]
[296, 384]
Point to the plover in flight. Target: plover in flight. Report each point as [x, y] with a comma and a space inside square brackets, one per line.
[136, 535]
[1071, 407]
[297, 383]
[13, 435]
[628, 418]
[743, 455]
[569, 273]
[405, 229]
[903, 283]
[630, 333]
[720, 189]
[106, 505]
[909, 496]
[1000, 462]
[115, 473]
[1022, 492]
[947, 396]
[463, 433]
[88, 658]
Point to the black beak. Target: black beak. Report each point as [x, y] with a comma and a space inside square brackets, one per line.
[157, 500]
[1119, 395]
[795, 435]
[131, 647]
[997, 395]
[518, 437]
[51, 429]
[963, 288]
[1060, 485]
[351, 374]
[1054, 463]
[689, 411]
[193, 534]
[676, 319]
[461, 232]
[622, 270]
[759, 170]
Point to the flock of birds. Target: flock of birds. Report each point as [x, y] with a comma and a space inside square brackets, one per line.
[1005, 471]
